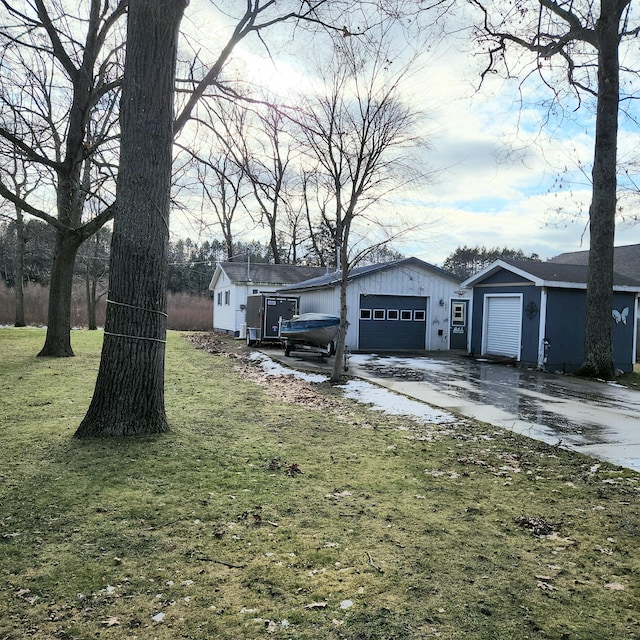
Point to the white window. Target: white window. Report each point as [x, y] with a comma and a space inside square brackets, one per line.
[418, 315]
[365, 314]
[219, 298]
[457, 314]
[393, 314]
[406, 314]
[378, 314]
[227, 297]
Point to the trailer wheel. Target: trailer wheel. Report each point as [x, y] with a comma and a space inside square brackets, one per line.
[332, 348]
[287, 350]
[250, 342]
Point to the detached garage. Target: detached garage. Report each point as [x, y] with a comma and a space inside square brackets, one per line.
[398, 322]
[403, 305]
[534, 313]
[502, 324]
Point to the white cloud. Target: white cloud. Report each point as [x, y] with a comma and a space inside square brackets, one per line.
[506, 164]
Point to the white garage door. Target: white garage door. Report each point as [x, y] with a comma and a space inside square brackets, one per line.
[502, 325]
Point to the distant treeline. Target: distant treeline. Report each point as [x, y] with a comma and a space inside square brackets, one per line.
[190, 269]
[190, 265]
[465, 261]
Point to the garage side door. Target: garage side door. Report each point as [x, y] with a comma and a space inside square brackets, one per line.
[502, 325]
[392, 322]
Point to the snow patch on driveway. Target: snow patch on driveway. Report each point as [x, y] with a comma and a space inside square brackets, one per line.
[378, 398]
[392, 403]
[273, 368]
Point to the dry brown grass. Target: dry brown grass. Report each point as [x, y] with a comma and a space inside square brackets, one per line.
[186, 312]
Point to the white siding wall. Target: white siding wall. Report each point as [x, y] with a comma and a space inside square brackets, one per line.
[403, 281]
[321, 301]
[230, 317]
[223, 315]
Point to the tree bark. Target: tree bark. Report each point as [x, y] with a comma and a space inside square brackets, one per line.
[58, 339]
[90, 286]
[21, 239]
[337, 372]
[598, 347]
[129, 393]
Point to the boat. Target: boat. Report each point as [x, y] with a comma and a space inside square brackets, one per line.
[310, 331]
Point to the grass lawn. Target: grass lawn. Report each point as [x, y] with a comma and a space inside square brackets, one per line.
[393, 530]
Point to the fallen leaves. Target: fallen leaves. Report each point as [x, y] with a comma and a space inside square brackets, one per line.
[538, 526]
[338, 495]
[111, 621]
[546, 586]
[293, 470]
[287, 388]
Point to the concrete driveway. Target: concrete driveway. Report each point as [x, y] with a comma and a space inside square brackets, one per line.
[596, 418]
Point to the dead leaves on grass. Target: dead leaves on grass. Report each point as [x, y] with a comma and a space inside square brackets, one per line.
[538, 525]
[287, 388]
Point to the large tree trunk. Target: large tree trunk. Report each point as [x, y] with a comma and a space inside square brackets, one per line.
[598, 348]
[58, 339]
[129, 393]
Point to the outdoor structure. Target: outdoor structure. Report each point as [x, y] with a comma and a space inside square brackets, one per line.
[232, 282]
[626, 262]
[534, 312]
[405, 304]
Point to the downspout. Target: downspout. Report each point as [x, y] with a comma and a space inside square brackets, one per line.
[635, 325]
[543, 345]
[470, 321]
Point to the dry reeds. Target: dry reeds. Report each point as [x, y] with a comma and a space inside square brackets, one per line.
[186, 312]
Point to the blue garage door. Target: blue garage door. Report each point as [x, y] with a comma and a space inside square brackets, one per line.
[392, 322]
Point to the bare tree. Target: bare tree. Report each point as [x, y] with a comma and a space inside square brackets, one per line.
[129, 393]
[135, 330]
[215, 158]
[93, 260]
[267, 163]
[224, 193]
[59, 74]
[585, 38]
[16, 176]
[361, 134]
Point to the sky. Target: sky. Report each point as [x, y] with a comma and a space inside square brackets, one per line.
[501, 177]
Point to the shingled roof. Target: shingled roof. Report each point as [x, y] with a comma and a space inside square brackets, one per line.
[548, 274]
[333, 279]
[626, 260]
[265, 274]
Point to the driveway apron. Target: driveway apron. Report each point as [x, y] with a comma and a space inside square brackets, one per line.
[596, 418]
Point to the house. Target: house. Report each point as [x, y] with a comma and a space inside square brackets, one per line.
[232, 282]
[405, 304]
[626, 260]
[534, 312]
